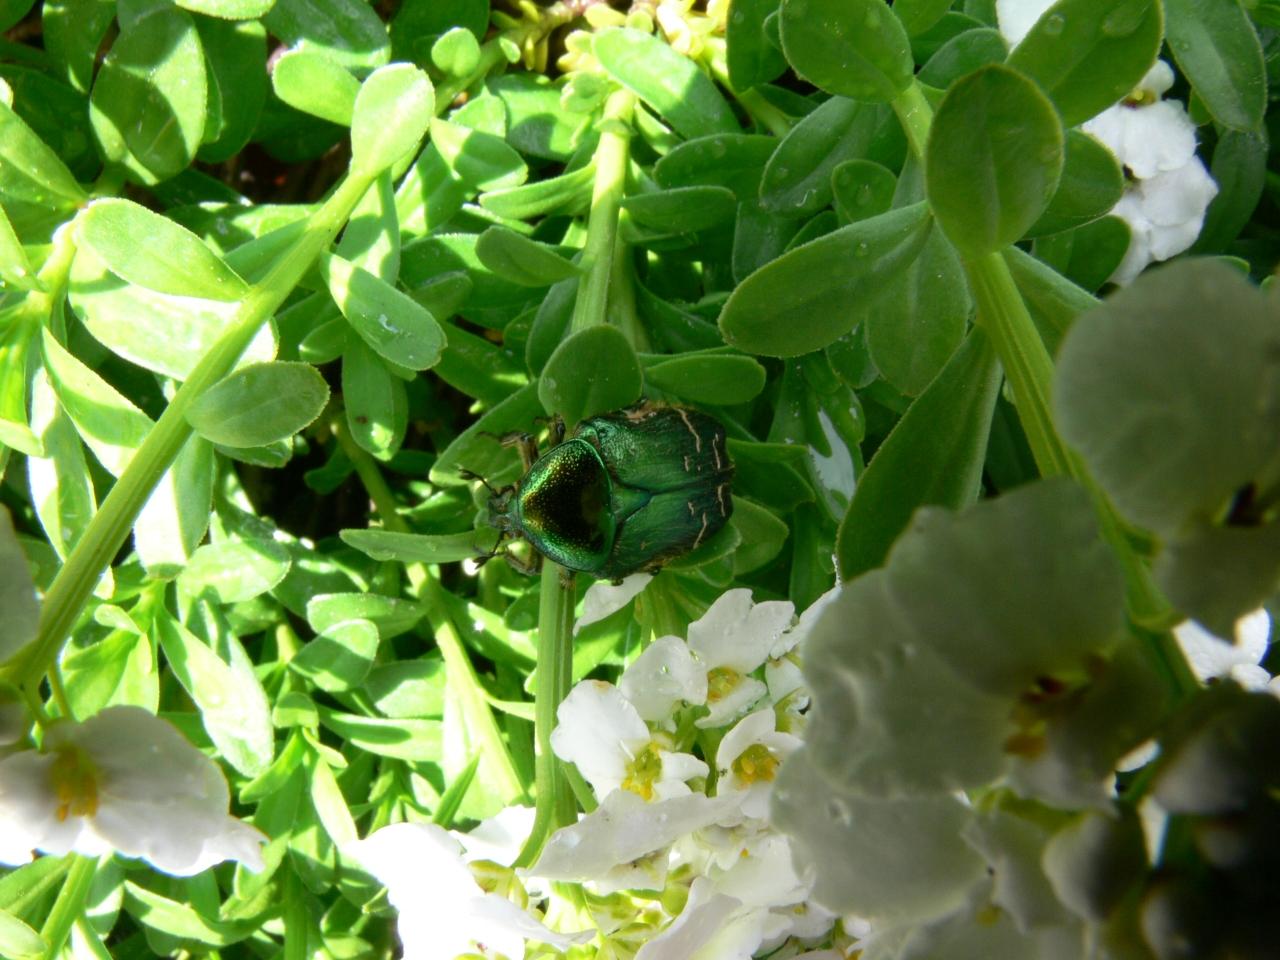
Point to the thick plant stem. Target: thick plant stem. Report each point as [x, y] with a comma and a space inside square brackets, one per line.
[611, 159]
[915, 115]
[555, 802]
[1029, 370]
[115, 518]
[69, 905]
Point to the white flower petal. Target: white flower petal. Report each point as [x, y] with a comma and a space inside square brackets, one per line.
[1210, 656]
[783, 678]
[733, 704]
[500, 838]
[681, 766]
[604, 598]
[1157, 80]
[1017, 17]
[1157, 138]
[800, 632]
[764, 876]
[625, 828]
[736, 633]
[706, 915]
[598, 730]
[662, 676]
[27, 805]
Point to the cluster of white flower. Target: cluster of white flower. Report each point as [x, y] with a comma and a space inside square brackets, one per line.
[124, 782]
[1167, 189]
[678, 860]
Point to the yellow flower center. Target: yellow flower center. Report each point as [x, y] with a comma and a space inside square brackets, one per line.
[721, 682]
[643, 772]
[75, 782]
[755, 764]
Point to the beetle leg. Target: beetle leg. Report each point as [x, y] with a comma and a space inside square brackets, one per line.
[566, 578]
[525, 443]
[528, 567]
[470, 475]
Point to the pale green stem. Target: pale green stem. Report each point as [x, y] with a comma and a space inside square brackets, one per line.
[915, 115]
[69, 905]
[611, 158]
[1029, 370]
[115, 518]
[753, 101]
[472, 697]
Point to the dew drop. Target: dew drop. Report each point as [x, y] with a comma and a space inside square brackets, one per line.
[718, 148]
[863, 196]
[1054, 24]
[862, 249]
[1124, 19]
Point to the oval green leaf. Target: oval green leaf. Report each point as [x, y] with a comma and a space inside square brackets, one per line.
[314, 84]
[993, 161]
[521, 260]
[154, 252]
[592, 371]
[259, 404]
[391, 114]
[1088, 54]
[670, 83]
[392, 323]
[855, 48]
[708, 378]
[803, 300]
[1218, 49]
[1090, 185]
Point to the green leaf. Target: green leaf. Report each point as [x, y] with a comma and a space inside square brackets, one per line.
[934, 455]
[731, 160]
[236, 53]
[1240, 169]
[854, 48]
[61, 490]
[376, 405]
[386, 545]
[1175, 417]
[232, 704]
[391, 615]
[564, 193]
[993, 160]
[917, 16]
[349, 32]
[1218, 49]
[915, 326]
[15, 268]
[148, 106]
[751, 58]
[17, 592]
[391, 114]
[682, 210]
[154, 252]
[30, 172]
[163, 333]
[521, 260]
[17, 940]
[457, 52]
[179, 920]
[1091, 183]
[1054, 301]
[340, 657]
[404, 739]
[111, 426]
[592, 371]
[671, 84]
[1096, 251]
[235, 570]
[228, 9]
[392, 323]
[762, 535]
[862, 189]
[1217, 575]
[963, 54]
[1087, 54]
[330, 805]
[479, 159]
[314, 84]
[801, 301]
[708, 378]
[371, 239]
[259, 404]
[176, 515]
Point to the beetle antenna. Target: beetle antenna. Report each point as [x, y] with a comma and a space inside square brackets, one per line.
[470, 475]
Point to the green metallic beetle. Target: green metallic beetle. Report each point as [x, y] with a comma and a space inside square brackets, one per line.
[629, 491]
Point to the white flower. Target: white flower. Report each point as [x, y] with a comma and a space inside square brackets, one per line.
[748, 760]
[1017, 17]
[662, 676]
[1169, 189]
[123, 781]
[604, 598]
[443, 911]
[600, 732]
[711, 926]
[1211, 656]
[500, 838]
[624, 829]
[732, 639]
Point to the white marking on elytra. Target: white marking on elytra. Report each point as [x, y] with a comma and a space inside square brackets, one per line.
[720, 498]
[698, 539]
[697, 440]
[686, 463]
[716, 452]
